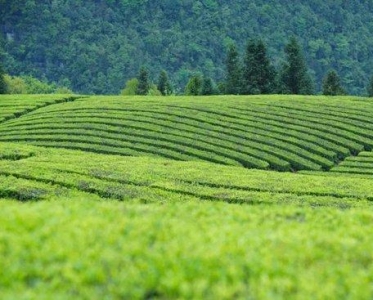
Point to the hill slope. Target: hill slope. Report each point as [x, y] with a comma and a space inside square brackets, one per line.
[268, 132]
[52, 173]
[77, 224]
[180, 229]
[96, 46]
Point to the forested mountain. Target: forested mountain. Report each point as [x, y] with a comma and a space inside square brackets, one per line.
[95, 46]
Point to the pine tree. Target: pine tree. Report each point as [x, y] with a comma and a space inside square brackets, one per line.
[258, 75]
[144, 85]
[332, 84]
[207, 86]
[370, 87]
[294, 75]
[164, 86]
[250, 70]
[194, 86]
[233, 69]
[3, 85]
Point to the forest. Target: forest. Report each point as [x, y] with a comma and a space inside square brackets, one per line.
[94, 47]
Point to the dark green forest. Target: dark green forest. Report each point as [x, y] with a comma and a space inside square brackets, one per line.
[96, 46]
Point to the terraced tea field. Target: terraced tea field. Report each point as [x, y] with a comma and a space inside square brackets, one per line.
[272, 133]
[186, 198]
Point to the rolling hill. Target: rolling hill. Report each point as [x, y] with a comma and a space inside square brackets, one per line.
[268, 132]
[185, 197]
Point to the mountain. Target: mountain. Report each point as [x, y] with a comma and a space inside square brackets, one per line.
[96, 46]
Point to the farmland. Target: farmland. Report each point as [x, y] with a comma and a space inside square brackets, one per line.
[262, 197]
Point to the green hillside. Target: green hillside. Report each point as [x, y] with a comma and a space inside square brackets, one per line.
[93, 226]
[151, 179]
[259, 197]
[96, 46]
[268, 132]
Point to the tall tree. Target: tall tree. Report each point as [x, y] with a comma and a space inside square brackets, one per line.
[258, 74]
[3, 85]
[331, 85]
[370, 87]
[295, 78]
[207, 86]
[144, 85]
[233, 72]
[164, 85]
[193, 88]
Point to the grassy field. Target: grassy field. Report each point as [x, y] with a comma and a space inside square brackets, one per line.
[186, 198]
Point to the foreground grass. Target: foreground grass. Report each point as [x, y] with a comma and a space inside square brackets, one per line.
[95, 249]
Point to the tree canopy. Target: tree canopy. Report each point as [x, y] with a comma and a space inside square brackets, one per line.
[3, 84]
[370, 87]
[294, 76]
[96, 46]
[258, 73]
[233, 80]
[332, 84]
[143, 86]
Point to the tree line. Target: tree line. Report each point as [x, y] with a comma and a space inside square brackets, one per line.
[251, 75]
[94, 47]
[27, 84]
[256, 74]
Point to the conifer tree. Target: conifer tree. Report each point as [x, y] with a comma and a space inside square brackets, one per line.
[144, 85]
[164, 86]
[3, 85]
[294, 75]
[207, 86]
[194, 86]
[331, 85]
[370, 87]
[258, 74]
[233, 69]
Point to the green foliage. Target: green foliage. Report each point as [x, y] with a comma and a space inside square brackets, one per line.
[258, 75]
[14, 106]
[265, 132]
[16, 85]
[35, 86]
[63, 91]
[184, 250]
[3, 83]
[356, 165]
[131, 87]
[294, 76]
[164, 85]
[30, 85]
[144, 84]
[189, 217]
[102, 51]
[153, 91]
[183, 226]
[233, 80]
[332, 85]
[207, 86]
[194, 86]
[370, 87]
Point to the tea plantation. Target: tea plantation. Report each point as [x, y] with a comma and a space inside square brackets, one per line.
[261, 197]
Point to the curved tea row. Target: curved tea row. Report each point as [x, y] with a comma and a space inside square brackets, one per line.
[57, 173]
[268, 132]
